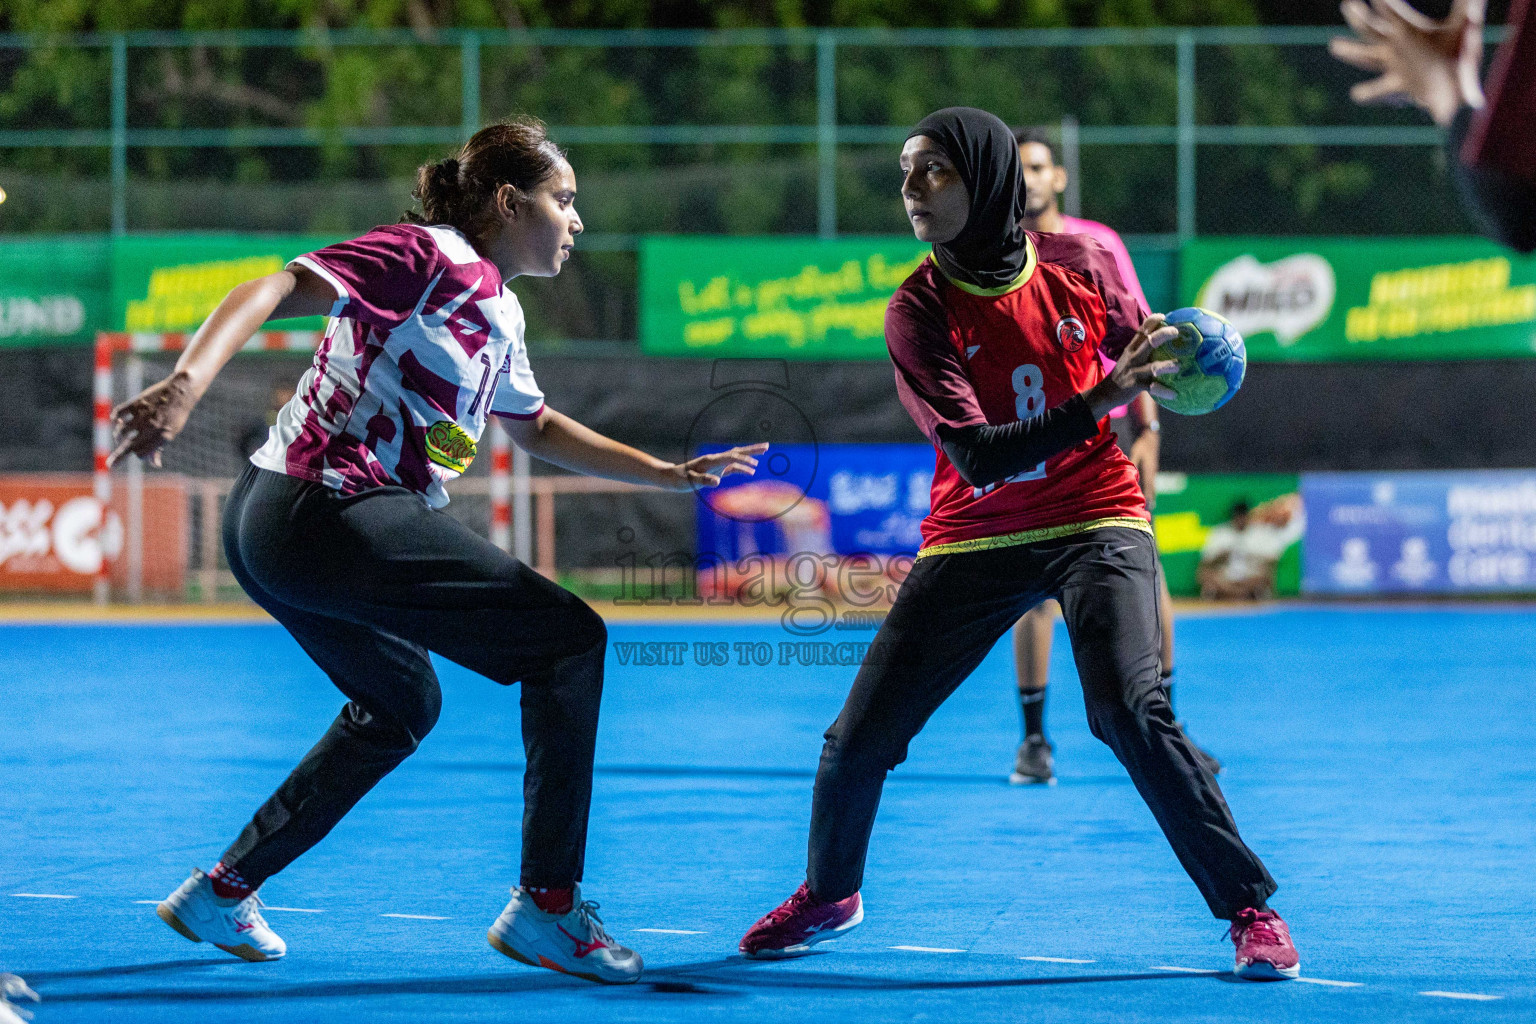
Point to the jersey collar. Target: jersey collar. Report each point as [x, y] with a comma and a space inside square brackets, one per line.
[1030, 259]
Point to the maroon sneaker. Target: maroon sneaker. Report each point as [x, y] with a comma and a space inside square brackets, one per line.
[1264, 948]
[801, 921]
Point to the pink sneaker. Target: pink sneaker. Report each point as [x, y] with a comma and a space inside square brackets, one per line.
[801, 921]
[1264, 948]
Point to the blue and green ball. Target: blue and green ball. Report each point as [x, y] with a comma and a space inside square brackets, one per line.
[1211, 358]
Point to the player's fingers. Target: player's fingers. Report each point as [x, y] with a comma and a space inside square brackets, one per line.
[1359, 16]
[738, 467]
[123, 447]
[704, 479]
[1386, 89]
[1353, 52]
[1405, 13]
[154, 458]
[1163, 368]
[751, 449]
[1151, 323]
[1162, 391]
[1471, 11]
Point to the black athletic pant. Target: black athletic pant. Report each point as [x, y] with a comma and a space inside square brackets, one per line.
[949, 613]
[368, 584]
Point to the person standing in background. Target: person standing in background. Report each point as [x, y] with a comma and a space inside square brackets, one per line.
[1045, 179]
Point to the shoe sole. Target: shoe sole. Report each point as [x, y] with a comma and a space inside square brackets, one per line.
[505, 950]
[1263, 971]
[801, 949]
[1016, 779]
[245, 951]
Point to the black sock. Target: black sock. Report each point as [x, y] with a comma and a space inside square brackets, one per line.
[1033, 703]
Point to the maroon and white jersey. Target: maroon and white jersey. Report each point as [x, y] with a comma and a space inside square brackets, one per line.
[425, 343]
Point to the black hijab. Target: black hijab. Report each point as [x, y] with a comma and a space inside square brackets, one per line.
[990, 250]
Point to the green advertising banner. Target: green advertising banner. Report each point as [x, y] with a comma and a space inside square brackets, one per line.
[1314, 299]
[798, 298]
[172, 282]
[53, 291]
[1190, 508]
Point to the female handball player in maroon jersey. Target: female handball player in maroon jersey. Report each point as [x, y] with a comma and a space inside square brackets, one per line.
[336, 530]
[996, 342]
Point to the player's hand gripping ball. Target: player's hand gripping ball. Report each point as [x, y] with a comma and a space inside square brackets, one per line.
[1211, 360]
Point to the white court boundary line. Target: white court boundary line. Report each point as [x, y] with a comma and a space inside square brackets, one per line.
[409, 917]
[42, 896]
[1481, 997]
[667, 931]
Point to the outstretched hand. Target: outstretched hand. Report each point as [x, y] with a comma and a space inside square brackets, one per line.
[708, 470]
[1431, 64]
[144, 424]
[1135, 371]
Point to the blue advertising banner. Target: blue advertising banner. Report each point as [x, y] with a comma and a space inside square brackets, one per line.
[824, 499]
[1427, 533]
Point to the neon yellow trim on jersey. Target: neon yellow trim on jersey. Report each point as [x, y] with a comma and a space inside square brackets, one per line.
[1019, 282]
[1009, 540]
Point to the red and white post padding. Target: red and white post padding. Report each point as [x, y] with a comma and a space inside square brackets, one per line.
[501, 491]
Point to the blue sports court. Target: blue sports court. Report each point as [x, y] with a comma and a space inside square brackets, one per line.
[1377, 759]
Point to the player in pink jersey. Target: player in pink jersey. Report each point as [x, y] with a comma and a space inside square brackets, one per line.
[1044, 181]
[336, 530]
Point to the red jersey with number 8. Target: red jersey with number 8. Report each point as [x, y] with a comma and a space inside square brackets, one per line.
[966, 356]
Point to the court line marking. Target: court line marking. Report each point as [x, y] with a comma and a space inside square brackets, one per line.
[927, 949]
[1057, 960]
[42, 896]
[1335, 984]
[668, 931]
[1183, 970]
[151, 903]
[293, 910]
[1477, 996]
[407, 917]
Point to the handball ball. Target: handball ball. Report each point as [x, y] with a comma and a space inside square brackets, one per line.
[1211, 361]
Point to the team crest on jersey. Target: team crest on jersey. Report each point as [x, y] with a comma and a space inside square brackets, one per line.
[1070, 333]
[449, 446]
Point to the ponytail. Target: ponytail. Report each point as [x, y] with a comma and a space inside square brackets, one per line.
[459, 191]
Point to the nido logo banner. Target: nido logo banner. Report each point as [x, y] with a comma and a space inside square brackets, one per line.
[1304, 299]
[55, 535]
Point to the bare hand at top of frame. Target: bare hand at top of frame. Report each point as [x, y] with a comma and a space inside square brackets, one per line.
[1431, 64]
[146, 423]
[1135, 370]
[708, 470]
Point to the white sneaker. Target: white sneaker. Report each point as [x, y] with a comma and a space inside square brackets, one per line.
[235, 926]
[13, 987]
[572, 943]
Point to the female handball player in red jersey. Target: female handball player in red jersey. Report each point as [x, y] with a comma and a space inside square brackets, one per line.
[335, 530]
[996, 342]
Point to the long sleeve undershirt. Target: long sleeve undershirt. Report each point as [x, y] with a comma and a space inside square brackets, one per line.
[983, 455]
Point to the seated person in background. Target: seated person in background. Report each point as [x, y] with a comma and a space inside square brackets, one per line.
[1240, 556]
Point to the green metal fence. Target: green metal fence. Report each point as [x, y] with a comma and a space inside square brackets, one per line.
[1174, 132]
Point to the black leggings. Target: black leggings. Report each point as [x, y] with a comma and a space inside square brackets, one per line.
[949, 613]
[368, 584]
